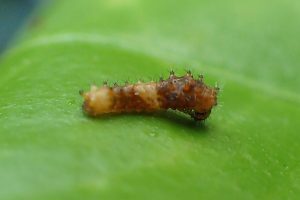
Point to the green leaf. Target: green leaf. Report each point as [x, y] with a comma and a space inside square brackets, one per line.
[247, 149]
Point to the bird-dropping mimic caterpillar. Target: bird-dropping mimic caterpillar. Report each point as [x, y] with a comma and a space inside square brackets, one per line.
[185, 94]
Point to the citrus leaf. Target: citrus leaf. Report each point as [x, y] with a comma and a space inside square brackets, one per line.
[247, 149]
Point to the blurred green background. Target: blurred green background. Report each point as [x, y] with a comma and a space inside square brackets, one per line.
[247, 149]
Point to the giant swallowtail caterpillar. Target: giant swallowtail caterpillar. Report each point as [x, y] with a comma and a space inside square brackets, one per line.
[185, 94]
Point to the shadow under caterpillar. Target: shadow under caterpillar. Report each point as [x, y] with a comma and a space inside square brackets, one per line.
[184, 93]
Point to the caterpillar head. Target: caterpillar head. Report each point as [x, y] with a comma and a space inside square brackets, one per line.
[206, 99]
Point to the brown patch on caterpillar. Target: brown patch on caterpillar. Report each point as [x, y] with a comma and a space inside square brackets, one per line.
[184, 93]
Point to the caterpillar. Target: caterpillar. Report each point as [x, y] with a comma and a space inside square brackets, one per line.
[185, 94]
